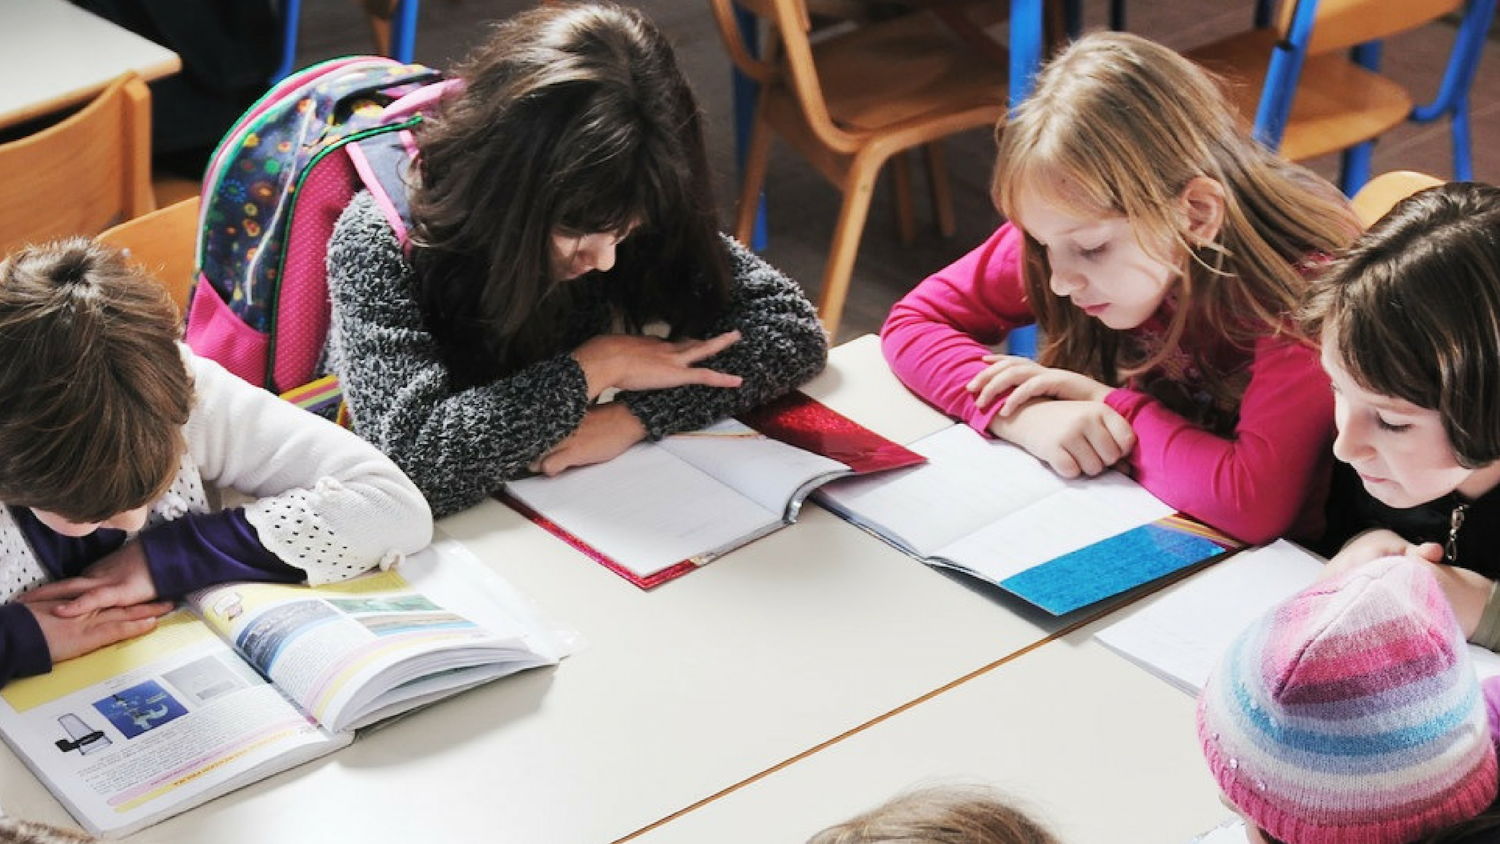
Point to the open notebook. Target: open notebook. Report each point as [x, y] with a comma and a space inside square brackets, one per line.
[1179, 634]
[662, 509]
[989, 509]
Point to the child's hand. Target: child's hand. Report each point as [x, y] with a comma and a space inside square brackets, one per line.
[1369, 546]
[631, 362]
[68, 637]
[607, 431]
[119, 579]
[1073, 437]
[1467, 591]
[1030, 380]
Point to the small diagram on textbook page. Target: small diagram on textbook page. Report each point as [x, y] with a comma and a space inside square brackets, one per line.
[121, 732]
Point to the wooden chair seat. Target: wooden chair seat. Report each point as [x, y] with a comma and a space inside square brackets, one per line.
[905, 70]
[1380, 194]
[1309, 80]
[1338, 103]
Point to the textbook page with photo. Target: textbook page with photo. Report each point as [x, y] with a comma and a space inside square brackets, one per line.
[1180, 634]
[249, 679]
[665, 508]
[989, 509]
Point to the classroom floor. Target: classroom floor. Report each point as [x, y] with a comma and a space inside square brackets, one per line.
[802, 206]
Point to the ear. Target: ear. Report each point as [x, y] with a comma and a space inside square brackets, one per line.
[1202, 206]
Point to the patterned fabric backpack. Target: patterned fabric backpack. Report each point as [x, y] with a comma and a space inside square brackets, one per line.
[273, 191]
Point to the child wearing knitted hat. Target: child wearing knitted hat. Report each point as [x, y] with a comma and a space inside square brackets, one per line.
[1351, 714]
[1409, 319]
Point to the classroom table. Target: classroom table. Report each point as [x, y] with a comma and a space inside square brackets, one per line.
[681, 692]
[1089, 743]
[54, 55]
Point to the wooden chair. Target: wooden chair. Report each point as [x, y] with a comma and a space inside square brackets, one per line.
[164, 243]
[1310, 81]
[1381, 193]
[849, 102]
[82, 174]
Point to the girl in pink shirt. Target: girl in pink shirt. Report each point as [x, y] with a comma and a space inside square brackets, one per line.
[1161, 251]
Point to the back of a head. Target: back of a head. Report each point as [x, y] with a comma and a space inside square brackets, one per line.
[1413, 309]
[1351, 713]
[577, 107]
[948, 814]
[95, 389]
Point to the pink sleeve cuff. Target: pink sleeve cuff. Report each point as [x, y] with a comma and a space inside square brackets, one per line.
[1125, 402]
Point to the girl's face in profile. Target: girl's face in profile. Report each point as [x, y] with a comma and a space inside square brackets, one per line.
[130, 520]
[1098, 264]
[1401, 451]
[575, 253]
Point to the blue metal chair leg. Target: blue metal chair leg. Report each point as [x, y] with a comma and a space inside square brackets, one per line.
[404, 30]
[1026, 37]
[1463, 160]
[746, 92]
[1354, 167]
[291, 14]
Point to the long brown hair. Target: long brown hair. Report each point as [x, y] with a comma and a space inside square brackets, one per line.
[573, 116]
[1413, 311]
[1119, 126]
[94, 391]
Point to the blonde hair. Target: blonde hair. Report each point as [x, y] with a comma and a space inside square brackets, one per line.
[1119, 126]
[948, 814]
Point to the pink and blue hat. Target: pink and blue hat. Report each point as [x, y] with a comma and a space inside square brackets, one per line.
[1351, 714]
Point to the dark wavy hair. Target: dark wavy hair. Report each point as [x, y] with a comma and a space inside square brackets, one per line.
[1413, 309]
[574, 117]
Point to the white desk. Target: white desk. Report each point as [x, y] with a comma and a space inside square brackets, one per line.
[54, 54]
[683, 691]
[1087, 742]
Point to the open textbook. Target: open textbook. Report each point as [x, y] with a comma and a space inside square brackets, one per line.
[989, 509]
[664, 508]
[1179, 634]
[252, 678]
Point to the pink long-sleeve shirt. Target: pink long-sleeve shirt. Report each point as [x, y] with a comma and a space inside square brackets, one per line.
[1269, 478]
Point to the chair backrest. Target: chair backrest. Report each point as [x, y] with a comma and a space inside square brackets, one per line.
[1381, 193]
[163, 243]
[81, 174]
[787, 58]
[1340, 24]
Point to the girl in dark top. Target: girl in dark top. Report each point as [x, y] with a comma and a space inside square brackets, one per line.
[1410, 325]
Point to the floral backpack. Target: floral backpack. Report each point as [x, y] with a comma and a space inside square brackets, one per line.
[273, 191]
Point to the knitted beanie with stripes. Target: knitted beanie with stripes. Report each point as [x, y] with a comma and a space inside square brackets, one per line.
[1351, 714]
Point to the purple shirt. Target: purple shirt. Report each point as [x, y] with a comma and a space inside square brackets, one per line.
[197, 550]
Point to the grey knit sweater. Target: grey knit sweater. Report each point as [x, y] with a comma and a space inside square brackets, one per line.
[459, 445]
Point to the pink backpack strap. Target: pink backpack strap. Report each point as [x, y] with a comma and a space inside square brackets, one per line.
[420, 100]
[382, 162]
